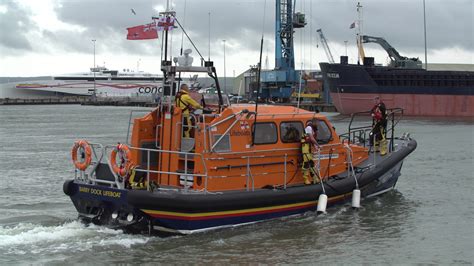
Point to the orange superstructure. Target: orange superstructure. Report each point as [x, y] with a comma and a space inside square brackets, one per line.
[224, 148]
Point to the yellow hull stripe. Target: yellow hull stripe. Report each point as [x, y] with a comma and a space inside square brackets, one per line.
[203, 214]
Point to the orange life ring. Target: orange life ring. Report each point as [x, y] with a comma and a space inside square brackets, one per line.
[123, 167]
[86, 154]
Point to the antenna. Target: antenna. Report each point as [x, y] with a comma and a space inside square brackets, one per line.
[258, 92]
[359, 34]
[182, 40]
[182, 32]
[299, 89]
[424, 24]
[258, 75]
[209, 40]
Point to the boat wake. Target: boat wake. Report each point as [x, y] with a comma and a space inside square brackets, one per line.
[32, 238]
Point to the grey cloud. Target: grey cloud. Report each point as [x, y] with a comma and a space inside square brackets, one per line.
[450, 23]
[16, 24]
[230, 20]
[106, 21]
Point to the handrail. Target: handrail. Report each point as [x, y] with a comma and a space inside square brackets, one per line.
[362, 130]
[119, 182]
[95, 162]
[258, 151]
[158, 126]
[225, 133]
[89, 175]
[350, 165]
[224, 120]
[148, 170]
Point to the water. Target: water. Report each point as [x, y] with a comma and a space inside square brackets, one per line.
[427, 219]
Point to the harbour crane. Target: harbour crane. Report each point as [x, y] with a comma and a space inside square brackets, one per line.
[325, 45]
[396, 60]
[279, 82]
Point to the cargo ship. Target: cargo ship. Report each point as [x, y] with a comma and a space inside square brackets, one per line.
[404, 83]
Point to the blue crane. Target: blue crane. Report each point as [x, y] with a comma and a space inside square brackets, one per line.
[279, 83]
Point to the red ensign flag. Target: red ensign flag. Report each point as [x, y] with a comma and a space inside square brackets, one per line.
[142, 32]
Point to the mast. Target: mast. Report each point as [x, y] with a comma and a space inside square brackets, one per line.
[424, 26]
[258, 92]
[359, 33]
[209, 37]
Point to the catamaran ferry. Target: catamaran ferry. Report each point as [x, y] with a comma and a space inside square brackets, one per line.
[100, 80]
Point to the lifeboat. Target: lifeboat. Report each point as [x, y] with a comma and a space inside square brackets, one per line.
[227, 165]
[237, 167]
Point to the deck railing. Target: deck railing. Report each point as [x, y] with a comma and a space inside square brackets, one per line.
[360, 134]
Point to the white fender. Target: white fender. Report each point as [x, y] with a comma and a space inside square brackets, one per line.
[322, 203]
[356, 198]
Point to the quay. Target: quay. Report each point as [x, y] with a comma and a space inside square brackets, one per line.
[134, 101]
[52, 100]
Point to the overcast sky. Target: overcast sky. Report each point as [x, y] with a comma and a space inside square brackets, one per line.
[50, 37]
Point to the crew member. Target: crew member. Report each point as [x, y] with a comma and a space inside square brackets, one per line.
[187, 105]
[308, 143]
[379, 126]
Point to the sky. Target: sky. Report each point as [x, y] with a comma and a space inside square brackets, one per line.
[53, 37]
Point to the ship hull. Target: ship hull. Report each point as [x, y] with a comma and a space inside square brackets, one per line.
[178, 212]
[412, 104]
[419, 92]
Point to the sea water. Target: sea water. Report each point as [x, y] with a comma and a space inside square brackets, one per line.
[428, 218]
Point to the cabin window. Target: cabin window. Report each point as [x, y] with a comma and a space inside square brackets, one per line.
[265, 133]
[291, 131]
[324, 134]
[224, 143]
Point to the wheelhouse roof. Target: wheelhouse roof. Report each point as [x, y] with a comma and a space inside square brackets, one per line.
[281, 110]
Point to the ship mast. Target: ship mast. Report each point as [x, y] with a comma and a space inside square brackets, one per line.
[359, 33]
[424, 26]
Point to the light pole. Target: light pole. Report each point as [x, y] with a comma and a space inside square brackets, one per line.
[94, 70]
[345, 44]
[225, 79]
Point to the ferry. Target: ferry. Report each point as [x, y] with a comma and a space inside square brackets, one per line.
[100, 81]
[235, 164]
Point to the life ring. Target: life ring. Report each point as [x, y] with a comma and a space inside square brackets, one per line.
[86, 154]
[123, 167]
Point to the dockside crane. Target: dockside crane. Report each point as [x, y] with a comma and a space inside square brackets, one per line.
[325, 45]
[396, 60]
[280, 82]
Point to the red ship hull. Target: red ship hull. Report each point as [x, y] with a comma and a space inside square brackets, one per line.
[419, 92]
[413, 104]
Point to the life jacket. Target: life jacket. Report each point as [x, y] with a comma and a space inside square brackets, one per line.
[378, 115]
[179, 101]
[379, 112]
[305, 143]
